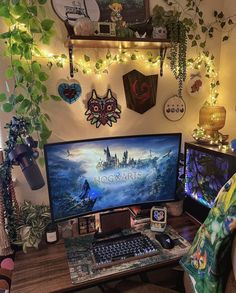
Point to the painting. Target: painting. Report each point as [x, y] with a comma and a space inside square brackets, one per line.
[140, 91]
[131, 11]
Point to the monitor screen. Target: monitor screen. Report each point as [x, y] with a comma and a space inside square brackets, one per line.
[99, 174]
[205, 174]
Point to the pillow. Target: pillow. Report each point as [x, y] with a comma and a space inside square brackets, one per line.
[6, 268]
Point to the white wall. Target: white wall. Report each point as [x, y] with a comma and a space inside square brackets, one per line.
[69, 122]
[227, 75]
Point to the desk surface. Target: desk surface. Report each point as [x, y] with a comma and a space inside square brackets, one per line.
[47, 270]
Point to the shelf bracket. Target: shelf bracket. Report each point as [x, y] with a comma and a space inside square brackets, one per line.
[71, 61]
[162, 58]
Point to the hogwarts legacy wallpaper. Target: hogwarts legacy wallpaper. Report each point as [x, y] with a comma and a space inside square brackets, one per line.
[90, 176]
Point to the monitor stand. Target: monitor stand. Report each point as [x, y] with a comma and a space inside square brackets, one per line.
[113, 222]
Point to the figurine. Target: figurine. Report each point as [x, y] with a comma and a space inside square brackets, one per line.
[142, 29]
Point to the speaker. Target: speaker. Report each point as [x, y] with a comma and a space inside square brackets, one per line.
[115, 221]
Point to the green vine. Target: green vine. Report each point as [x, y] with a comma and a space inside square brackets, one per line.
[27, 27]
[198, 34]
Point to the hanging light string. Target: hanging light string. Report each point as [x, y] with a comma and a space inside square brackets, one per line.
[100, 66]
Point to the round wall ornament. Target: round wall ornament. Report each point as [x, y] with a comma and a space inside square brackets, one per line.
[72, 10]
[174, 108]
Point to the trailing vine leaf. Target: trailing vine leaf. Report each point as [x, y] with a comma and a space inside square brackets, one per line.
[27, 24]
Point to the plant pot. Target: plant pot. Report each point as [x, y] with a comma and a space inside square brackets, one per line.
[175, 208]
[25, 237]
[159, 32]
[212, 119]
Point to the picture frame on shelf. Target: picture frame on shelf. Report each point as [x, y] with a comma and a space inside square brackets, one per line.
[132, 11]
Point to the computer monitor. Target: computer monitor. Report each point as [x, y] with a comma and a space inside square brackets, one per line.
[90, 176]
[207, 169]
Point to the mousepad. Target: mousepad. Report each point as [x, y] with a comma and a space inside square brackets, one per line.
[82, 268]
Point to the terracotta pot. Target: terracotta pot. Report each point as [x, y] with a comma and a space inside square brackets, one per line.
[212, 118]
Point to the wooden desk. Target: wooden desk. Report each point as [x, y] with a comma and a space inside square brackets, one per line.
[47, 270]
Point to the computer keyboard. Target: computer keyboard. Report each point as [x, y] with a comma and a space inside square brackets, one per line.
[122, 249]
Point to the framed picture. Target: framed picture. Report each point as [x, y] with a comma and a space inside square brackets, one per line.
[72, 10]
[131, 11]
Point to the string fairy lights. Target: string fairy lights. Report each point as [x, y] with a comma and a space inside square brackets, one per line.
[100, 66]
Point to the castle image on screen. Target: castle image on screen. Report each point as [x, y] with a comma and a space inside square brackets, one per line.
[90, 176]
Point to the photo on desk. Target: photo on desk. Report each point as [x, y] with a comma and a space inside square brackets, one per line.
[95, 175]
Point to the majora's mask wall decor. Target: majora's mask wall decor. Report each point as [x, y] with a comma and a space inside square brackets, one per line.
[140, 91]
[102, 110]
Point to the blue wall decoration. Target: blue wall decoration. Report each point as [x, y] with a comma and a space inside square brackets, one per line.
[69, 92]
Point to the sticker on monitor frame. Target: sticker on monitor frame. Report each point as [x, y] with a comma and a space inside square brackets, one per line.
[102, 110]
[174, 108]
[72, 10]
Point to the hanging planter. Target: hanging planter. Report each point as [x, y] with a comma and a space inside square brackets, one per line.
[177, 34]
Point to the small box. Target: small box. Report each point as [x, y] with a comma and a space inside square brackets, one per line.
[86, 225]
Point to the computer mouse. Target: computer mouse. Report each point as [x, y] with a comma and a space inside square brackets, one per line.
[165, 240]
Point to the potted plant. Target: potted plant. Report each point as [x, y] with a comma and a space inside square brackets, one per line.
[33, 221]
[169, 21]
[159, 21]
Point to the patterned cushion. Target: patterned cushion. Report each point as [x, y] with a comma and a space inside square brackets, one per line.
[6, 268]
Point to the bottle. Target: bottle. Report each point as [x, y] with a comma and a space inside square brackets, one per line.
[51, 233]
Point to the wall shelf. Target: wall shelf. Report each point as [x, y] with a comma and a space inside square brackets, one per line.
[115, 42]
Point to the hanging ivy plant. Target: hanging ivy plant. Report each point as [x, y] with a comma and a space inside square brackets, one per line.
[198, 32]
[27, 27]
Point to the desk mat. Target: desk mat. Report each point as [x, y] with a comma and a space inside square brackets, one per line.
[81, 266]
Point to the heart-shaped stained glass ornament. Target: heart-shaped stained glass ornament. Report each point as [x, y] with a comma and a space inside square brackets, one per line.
[69, 92]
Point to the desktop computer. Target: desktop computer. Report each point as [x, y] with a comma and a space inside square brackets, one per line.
[207, 169]
[92, 176]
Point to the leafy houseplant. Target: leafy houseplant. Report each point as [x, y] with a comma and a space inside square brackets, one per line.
[33, 221]
[177, 34]
[18, 150]
[27, 27]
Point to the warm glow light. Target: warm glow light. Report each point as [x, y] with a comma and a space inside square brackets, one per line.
[124, 56]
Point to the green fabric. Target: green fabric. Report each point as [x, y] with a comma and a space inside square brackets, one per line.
[208, 260]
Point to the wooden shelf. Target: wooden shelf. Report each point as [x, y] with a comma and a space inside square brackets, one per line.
[115, 42]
